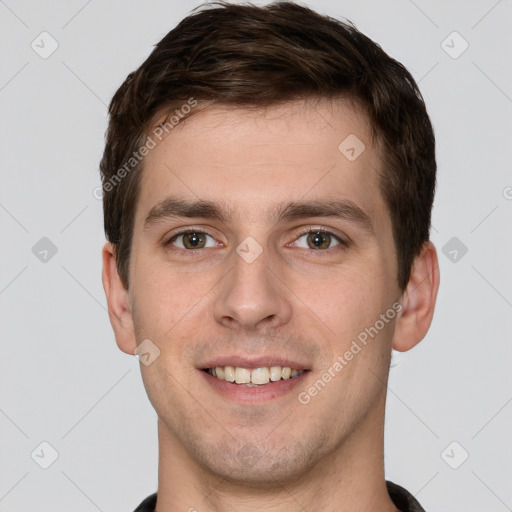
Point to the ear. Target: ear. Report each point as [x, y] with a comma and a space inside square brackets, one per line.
[418, 300]
[118, 301]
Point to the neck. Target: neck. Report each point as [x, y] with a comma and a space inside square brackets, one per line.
[350, 479]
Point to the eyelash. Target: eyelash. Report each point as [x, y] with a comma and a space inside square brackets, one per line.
[343, 244]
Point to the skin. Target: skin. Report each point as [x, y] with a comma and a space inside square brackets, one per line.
[295, 301]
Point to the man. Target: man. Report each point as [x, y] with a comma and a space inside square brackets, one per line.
[269, 175]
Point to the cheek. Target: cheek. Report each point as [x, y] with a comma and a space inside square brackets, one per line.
[171, 308]
[346, 301]
[351, 306]
[163, 297]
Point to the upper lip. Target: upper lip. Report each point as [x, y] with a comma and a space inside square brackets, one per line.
[253, 362]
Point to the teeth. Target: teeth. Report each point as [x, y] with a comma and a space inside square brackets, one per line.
[255, 377]
[275, 373]
[260, 376]
[242, 376]
[229, 374]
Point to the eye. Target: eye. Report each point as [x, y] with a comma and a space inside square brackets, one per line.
[318, 239]
[192, 240]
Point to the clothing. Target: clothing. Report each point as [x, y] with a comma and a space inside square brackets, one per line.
[402, 499]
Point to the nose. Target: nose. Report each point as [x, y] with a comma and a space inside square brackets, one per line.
[252, 296]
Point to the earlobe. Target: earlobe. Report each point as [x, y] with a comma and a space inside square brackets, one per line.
[119, 310]
[418, 300]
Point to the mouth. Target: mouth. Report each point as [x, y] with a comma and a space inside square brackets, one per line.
[253, 380]
[253, 377]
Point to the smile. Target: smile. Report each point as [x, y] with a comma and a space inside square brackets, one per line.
[253, 377]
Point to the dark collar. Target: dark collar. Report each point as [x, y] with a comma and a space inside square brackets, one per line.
[402, 499]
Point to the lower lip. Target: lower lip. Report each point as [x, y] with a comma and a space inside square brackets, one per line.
[256, 394]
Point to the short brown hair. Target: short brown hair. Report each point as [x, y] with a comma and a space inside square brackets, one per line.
[249, 56]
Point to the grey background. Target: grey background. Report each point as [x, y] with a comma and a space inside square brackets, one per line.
[62, 378]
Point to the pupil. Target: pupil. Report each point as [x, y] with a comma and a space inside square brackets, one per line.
[193, 240]
[319, 240]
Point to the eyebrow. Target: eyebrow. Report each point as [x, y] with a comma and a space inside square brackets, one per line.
[344, 209]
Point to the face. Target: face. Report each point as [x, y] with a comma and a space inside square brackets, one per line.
[260, 245]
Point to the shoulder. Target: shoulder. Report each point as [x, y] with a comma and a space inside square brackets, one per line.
[148, 505]
[403, 499]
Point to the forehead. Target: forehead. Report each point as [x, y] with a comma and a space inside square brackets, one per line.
[256, 159]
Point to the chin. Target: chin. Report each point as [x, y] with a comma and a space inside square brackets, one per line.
[254, 465]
